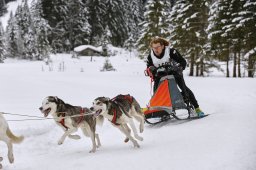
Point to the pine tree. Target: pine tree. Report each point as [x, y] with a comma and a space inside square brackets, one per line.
[236, 32]
[27, 33]
[134, 13]
[221, 34]
[3, 8]
[79, 27]
[41, 29]
[69, 23]
[115, 20]
[2, 44]
[97, 9]
[12, 36]
[248, 23]
[60, 41]
[153, 25]
[188, 34]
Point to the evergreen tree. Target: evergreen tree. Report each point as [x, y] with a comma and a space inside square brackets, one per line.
[248, 22]
[3, 8]
[236, 32]
[12, 35]
[189, 32]
[60, 41]
[41, 29]
[97, 9]
[115, 20]
[79, 28]
[153, 25]
[69, 23]
[27, 32]
[134, 16]
[2, 44]
[221, 34]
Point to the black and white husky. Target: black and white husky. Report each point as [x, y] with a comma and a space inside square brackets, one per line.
[121, 111]
[8, 137]
[70, 118]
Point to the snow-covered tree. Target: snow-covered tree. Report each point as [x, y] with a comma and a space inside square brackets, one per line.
[115, 20]
[134, 16]
[41, 29]
[154, 24]
[188, 33]
[12, 37]
[79, 27]
[3, 7]
[2, 43]
[97, 9]
[68, 20]
[248, 22]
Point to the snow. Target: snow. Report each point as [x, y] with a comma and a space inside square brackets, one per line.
[83, 47]
[223, 140]
[252, 51]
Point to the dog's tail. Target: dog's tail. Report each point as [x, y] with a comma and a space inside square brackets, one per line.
[100, 120]
[14, 139]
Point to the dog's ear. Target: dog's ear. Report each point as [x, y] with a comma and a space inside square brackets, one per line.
[105, 99]
[59, 101]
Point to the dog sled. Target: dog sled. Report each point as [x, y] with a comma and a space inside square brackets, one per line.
[167, 101]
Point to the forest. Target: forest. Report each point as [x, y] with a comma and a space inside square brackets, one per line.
[205, 32]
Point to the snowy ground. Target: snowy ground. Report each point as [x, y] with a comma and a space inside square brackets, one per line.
[223, 140]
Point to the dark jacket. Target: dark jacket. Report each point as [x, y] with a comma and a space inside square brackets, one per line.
[174, 55]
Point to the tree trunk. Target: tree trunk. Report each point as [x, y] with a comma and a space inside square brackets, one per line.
[234, 66]
[201, 66]
[239, 64]
[227, 69]
[250, 66]
[192, 63]
[197, 69]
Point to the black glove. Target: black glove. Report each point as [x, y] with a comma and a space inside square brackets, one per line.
[175, 69]
[152, 69]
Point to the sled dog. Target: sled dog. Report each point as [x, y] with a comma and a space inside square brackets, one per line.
[121, 111]
[70, 118]
[8, 137]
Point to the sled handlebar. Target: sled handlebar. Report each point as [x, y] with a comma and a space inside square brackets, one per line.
[165, 69]
[169, 68]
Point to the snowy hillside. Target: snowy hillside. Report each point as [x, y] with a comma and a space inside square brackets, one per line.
[223, 140]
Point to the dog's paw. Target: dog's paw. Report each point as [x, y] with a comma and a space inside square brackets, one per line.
[93, 150]
[136, 145]
[76, 137]
[60, 142]
[126, 140]
[139, 138]
[11, 158]
[141, 128]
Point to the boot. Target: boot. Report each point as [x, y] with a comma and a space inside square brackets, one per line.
[199, 112]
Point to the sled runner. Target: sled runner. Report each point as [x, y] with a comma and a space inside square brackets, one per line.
[167, 101]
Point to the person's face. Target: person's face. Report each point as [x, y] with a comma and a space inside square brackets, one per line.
[157, 48]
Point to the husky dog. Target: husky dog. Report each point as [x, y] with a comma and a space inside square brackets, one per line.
[70, 118]
[8, 137]
[120, 111]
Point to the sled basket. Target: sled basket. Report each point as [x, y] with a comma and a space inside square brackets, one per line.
[166, 99]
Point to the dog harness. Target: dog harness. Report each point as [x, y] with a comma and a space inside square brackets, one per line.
[114, 118]
[62, 121]
[126, 97]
